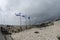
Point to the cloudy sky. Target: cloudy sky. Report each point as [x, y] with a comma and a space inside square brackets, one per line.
[39, 10]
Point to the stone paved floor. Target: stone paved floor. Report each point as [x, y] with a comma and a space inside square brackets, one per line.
[48, 33]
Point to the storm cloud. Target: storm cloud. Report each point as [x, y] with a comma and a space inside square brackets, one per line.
[39, 10]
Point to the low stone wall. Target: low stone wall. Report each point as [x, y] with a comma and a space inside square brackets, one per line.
[14, 29]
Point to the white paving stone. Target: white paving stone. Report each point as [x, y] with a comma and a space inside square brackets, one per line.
[48, 33]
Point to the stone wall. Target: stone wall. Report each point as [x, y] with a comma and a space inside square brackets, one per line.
[14, 28]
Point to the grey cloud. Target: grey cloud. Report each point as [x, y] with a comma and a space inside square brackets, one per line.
[39, 10]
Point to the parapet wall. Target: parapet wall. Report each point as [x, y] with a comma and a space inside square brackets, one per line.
[14, 28]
